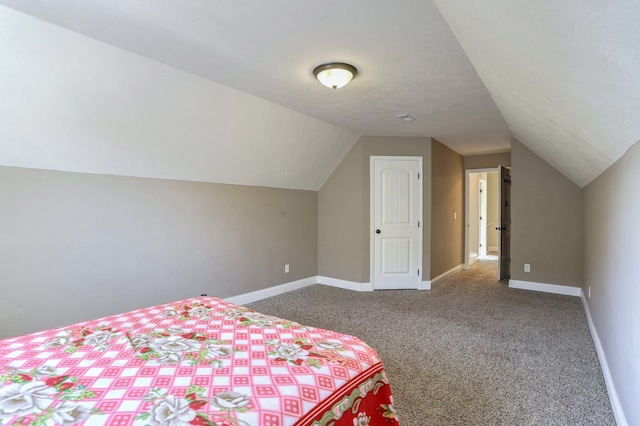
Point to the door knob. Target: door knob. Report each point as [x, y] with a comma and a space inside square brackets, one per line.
[378, 231]
[501, 229]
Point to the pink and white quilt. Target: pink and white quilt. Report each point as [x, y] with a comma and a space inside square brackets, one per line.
[200, 361]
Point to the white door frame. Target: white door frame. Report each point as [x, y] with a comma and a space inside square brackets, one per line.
[466, 265]
[372, 214]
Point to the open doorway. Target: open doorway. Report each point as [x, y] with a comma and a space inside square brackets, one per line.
[482, 208]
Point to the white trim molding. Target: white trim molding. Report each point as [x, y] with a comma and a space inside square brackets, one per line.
[616, 407]
[254, 296]
[425, 285]
[344, 284]
[546, 288]
[447, 274]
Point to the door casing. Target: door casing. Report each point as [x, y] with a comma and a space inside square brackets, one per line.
[467, 174]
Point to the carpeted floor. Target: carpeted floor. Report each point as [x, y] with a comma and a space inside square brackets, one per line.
[470, 351]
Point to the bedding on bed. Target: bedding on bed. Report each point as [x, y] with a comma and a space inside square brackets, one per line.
[201, 361]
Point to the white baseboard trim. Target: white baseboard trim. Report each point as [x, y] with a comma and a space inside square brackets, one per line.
[243, 299]
[446, 274]
[616, 407]
[546, 288]
[474, 260]
[354, 286]
[347, 285]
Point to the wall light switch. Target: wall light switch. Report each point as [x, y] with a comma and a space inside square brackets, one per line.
[527, 267]
[455, 215]
[286, 268]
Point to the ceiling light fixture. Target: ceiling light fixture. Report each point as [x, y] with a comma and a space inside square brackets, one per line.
[335, 74]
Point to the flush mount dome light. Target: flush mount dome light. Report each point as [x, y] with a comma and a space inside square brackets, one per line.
[335, 74]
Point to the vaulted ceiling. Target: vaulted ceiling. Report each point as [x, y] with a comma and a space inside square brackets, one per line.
[223, 91]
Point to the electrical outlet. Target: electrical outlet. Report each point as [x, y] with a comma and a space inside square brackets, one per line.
[286, 268]
[527, 267]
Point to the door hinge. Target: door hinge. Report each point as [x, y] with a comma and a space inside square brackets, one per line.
[418, 224]
[480, 217]
[481, 190]
[418, 175]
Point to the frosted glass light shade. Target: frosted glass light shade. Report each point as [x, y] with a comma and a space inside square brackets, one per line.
[335, 75]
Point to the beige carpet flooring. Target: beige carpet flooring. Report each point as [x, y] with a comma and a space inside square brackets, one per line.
[470, 351]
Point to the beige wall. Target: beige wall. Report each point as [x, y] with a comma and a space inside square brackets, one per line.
[547, 221]
[612, 233]
[487, 161]
[447, 191]
[340, 215]
[343, 226]
[79, 246]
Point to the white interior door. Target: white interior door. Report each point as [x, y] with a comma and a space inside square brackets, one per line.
[396, 219]
[483, 216]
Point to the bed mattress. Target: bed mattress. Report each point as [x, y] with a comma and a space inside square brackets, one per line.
[200, 361]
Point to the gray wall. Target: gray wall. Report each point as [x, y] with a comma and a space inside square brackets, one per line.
[612, 236]
[344, 212]
[546, 221]
[487, 161]
[447, 191]
[340, 214]
[79, 246]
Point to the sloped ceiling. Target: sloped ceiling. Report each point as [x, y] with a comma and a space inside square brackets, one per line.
[564, 74]
[223, 91]
[70, 103]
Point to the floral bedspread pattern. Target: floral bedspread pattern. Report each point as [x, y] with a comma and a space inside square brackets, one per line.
[200, 361]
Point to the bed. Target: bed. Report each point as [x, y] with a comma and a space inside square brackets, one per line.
[200, 361]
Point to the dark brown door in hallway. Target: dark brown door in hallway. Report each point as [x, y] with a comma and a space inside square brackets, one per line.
[505, 223]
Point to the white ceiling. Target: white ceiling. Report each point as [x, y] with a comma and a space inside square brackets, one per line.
[564, 75]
